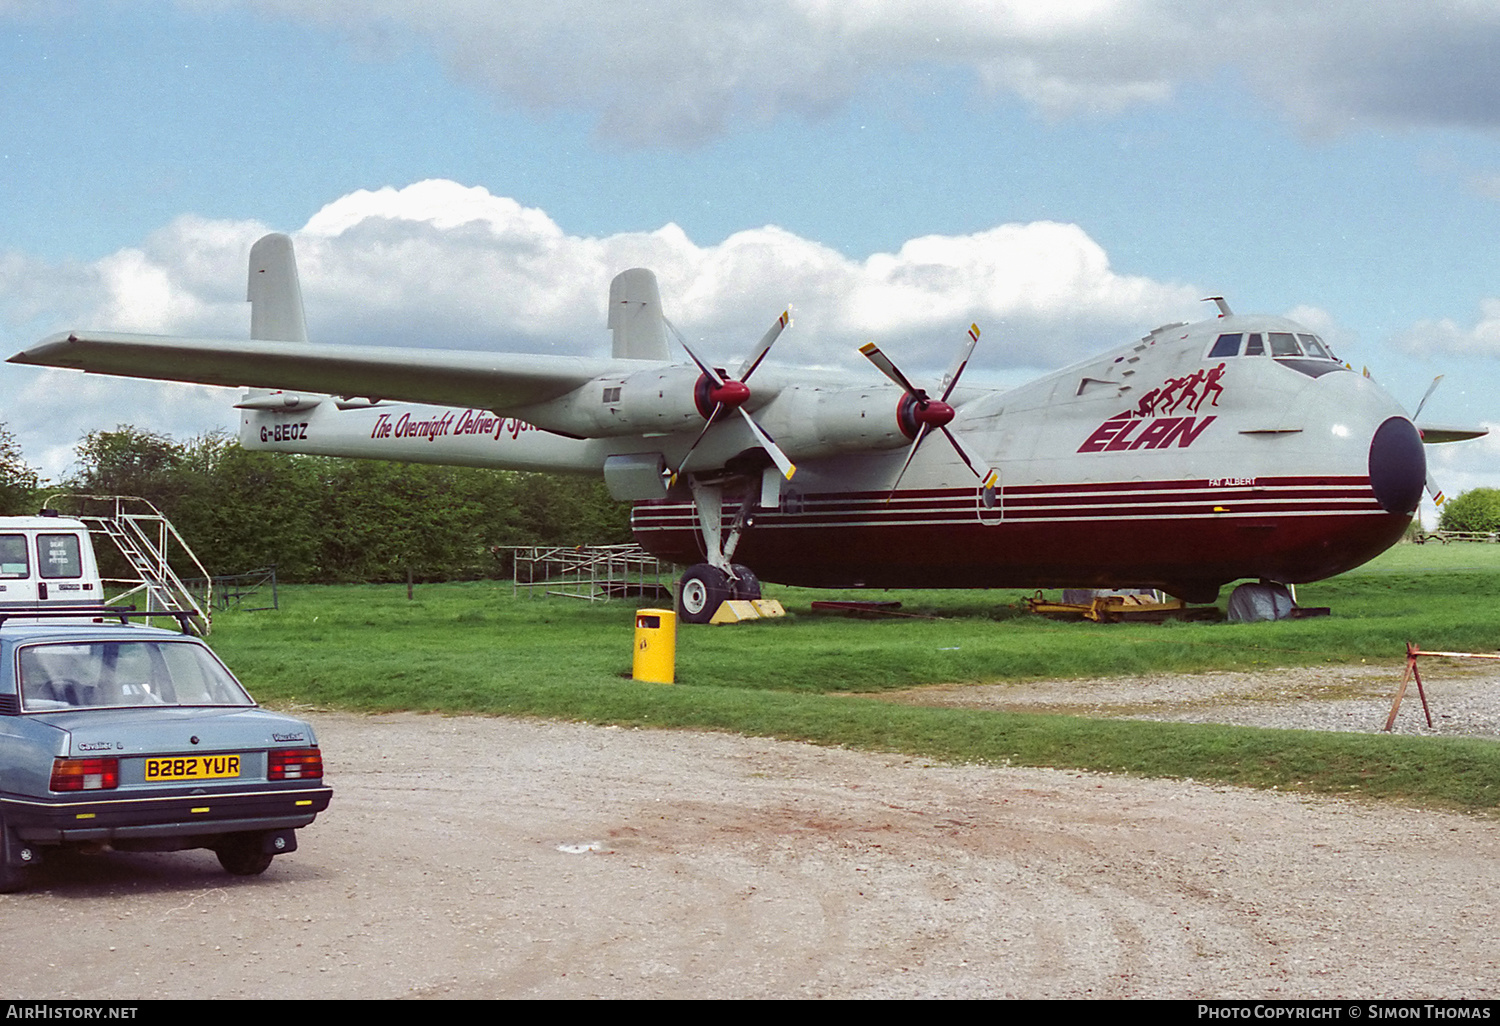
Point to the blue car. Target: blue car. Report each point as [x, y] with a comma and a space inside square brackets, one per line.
[139, 739]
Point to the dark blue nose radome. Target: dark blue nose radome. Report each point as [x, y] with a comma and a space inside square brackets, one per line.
[1398, 467]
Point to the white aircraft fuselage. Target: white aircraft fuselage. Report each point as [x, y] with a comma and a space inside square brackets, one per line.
[1202, 454]
[1290, 469]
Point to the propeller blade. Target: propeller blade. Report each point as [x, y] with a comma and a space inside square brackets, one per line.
[685, 456]
[951, 378]
[712, 374]
[890, 370]
[1426, 396]
[782, 322]
[786, 466]
[910, 453]
[976, 463]
[1438, 498]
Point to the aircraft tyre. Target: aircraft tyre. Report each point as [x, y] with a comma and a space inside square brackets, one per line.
[747, 586]
[244, 854]
[702, 588]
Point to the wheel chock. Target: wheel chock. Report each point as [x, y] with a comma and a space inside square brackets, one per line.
[739, 610]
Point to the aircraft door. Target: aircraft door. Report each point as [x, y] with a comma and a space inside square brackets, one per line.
[989, 503]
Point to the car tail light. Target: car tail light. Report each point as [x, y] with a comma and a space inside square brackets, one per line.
[85, 774]
[295, 764]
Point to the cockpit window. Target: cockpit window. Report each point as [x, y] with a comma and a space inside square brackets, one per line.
[1227, 345]
[1284, 343]
[1313, 346]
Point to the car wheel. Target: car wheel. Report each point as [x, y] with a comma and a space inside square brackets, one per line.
[244, 855]
[702, 590]
[13, 876]
[13, 879]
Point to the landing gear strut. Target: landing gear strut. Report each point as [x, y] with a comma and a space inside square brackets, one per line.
[705, 586]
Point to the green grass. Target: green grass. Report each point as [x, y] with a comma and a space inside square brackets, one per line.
[473, 648]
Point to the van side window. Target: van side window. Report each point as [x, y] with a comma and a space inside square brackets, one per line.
[58, 555]
[13, 561]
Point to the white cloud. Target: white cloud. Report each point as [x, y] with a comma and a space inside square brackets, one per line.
[440, 265]
[681, 71]
[50, 411]
[1446, 336]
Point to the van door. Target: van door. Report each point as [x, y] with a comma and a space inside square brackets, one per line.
[17, 586]
[60, 576]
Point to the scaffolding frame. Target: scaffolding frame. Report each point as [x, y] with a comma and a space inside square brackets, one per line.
[595, 573]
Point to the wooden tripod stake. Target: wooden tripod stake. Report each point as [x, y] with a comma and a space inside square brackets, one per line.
[1412, 651]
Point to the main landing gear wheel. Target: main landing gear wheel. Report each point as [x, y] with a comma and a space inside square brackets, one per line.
[746, 585]
[702, 589]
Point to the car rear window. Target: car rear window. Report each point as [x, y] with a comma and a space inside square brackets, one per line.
[123, 674]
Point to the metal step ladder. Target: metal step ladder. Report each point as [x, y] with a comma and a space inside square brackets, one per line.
[144, 536]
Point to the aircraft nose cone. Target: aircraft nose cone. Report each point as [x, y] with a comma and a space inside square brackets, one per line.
[1398, 466]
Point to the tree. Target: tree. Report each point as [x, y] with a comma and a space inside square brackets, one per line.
[18, 481]
[128, 461]
[320, 518]
[242, 510]
[1475, 510]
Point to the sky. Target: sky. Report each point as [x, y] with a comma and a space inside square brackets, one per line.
[464, 174]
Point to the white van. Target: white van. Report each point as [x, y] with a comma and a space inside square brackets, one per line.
[47, 561]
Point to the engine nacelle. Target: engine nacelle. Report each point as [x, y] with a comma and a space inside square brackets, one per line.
[659, 400]
[812, 421]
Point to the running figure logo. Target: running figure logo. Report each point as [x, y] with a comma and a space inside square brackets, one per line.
[1119, 433]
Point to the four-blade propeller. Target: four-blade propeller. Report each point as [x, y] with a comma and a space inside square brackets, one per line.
[918, 413]
[717, 393]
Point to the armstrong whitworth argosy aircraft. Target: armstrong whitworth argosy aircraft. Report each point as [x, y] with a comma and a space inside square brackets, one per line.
[1202, 454]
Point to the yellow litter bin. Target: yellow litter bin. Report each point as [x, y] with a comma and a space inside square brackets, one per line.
[655, 646]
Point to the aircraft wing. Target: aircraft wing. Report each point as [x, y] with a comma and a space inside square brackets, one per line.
[443, 377]
[1434, 433]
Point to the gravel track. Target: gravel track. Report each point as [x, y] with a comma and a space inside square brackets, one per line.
[475, 857]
